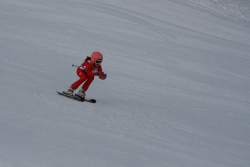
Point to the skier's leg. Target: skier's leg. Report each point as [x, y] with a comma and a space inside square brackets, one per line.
[82, 76]
[85, 86]
[87, 83]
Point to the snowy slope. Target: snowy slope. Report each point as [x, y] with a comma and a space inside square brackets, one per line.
[176, 95]
[236, 10]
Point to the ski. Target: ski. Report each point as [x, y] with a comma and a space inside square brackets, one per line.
[75, 97]
[87, 100]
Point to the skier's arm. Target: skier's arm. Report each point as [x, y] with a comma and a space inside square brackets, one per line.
[86, 67]
[102, 75]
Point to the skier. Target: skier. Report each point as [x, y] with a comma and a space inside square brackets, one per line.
[90, 67]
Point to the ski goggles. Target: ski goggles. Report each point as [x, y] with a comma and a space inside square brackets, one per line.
[98, 61]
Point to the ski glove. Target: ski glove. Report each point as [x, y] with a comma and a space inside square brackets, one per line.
[102, 75]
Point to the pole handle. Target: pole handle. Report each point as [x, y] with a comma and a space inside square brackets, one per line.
[74, 65]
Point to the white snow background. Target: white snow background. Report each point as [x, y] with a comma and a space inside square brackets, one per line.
[177, 92]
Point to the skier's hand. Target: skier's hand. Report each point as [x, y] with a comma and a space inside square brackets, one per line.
[102, 75]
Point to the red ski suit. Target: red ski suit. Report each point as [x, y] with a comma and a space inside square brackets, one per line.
[86, 72]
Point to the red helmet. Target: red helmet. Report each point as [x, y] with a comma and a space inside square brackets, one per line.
[96, 56]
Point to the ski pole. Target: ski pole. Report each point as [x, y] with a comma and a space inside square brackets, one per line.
[74, 65]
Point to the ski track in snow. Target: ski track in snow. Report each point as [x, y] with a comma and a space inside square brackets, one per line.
[177, 91]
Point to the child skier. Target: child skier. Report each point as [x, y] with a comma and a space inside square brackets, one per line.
[90, 67]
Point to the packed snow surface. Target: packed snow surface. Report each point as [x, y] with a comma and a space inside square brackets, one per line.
[177, 92]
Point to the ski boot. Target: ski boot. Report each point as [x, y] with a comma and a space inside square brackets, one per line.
[81, 94]
[70, 91]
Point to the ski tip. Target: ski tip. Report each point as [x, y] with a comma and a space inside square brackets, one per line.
[92, 101]
[61, 93]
